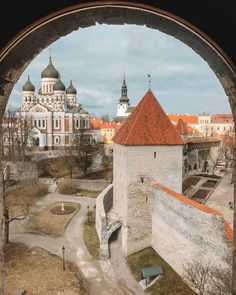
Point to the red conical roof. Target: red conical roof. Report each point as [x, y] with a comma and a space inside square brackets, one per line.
[148, 125]
[181, 127]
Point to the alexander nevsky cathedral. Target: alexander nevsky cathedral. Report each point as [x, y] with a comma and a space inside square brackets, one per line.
[54, 111]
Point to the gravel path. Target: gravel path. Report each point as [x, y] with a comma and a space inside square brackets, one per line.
[99, 274]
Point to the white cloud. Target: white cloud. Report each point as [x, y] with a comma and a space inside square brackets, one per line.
[95, 59]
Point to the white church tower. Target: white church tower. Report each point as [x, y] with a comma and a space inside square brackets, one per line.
[147, 149]
[123, 101]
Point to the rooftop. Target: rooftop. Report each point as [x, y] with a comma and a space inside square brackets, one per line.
[148, 125]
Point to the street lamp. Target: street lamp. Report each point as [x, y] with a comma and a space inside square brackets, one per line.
[88, 213]
[63, 257]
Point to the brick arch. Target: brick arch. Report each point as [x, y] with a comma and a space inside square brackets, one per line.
[14, 58]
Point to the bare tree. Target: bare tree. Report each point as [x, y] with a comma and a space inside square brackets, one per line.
[206, 279]
[198, 275]
[13, 210]
[17, 133]
[81, 151]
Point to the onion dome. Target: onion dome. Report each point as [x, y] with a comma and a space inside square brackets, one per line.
[71, 89]
[59, 86]
[50, 71]
[40, 90]
[28, 86]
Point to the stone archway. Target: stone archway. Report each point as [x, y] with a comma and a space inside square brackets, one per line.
[14, 58]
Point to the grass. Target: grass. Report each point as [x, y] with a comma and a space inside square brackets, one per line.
[170, 284]
[88, 193]
[17, 200]
[90, 236]
[52, 224]
[101, 174]
[40, 272]
[67, 187]
[192, 180]
[55, 167]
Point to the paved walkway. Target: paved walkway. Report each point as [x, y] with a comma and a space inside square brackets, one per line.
[219, 199]
[121, 268]
[99, 274]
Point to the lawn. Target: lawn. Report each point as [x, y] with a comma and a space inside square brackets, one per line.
[192, 180]
[90, 236]
[39, 272]
[170, 284]
[52, 224]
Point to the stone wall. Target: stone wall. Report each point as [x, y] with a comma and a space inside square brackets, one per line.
[91, 184]
[183, 230]
[20, 171]
[135, 167]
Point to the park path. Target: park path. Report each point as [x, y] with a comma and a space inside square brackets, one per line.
[99, 275]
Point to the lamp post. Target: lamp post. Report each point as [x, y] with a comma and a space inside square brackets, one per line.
[63, 257]
[88, 213]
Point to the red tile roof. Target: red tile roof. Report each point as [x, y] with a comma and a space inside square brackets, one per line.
[184, 199]
[191, 119]
[181, 127]
[148, 125]
[222, 118]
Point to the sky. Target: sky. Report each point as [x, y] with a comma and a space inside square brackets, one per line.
[97, 57]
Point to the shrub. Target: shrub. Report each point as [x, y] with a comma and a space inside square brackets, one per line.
[68, 187]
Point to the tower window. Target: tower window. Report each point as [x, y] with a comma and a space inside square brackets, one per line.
[39, 123]
[155, 154]
[43, 122]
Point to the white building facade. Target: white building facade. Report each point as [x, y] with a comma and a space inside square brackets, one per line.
[55, 112]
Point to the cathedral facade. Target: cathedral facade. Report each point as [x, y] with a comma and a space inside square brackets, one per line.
[54, 111]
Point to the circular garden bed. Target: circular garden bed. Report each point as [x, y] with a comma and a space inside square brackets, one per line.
[67, 210]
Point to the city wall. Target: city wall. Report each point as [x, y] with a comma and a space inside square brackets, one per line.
[184, 230]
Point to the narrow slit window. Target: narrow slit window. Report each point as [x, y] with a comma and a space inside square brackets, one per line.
[155, 154]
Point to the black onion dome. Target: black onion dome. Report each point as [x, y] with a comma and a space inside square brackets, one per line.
[59, 86]
[71, 89]
[28, 86]
[50, 71]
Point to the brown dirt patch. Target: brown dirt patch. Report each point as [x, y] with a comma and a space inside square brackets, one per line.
[55, 167]
[192, 180]
[210, 183]
[101, 174]
[52, 224]
[19, 199]
[200, 195]
[40, 272]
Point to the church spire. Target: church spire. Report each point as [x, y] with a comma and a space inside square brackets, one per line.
[124, 91]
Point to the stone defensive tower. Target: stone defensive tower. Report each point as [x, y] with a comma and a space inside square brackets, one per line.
[147, 149]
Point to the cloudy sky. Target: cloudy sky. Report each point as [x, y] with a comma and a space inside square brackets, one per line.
[96, 58]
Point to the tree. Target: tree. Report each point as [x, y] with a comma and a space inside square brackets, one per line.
[81, 151]
[13, 210]
[206, 279]
[17, 134]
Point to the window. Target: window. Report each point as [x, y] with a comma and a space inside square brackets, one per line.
[43, 122]
[39, 123]
[218, 128]
[82, 123]
[155, 154]
[56, 140]
[56, 123]
[77, 123]
[35, 123]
